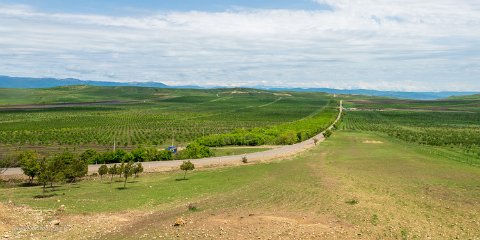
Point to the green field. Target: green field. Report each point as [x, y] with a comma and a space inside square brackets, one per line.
[373, 185]
[454, 131]
[150, 117]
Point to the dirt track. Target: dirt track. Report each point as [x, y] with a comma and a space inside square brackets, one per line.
[280, 152]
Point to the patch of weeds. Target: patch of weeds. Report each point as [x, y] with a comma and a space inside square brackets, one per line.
[192, 207]
[244, 159]
[374, 220]
[352, 202]
[45, 196]
[404, 234]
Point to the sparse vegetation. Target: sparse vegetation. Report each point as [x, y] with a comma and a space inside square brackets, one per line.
[314, 182]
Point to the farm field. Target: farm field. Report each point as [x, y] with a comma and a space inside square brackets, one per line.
[453, 131]
[81, 117]
[356, 185]
[470, 103]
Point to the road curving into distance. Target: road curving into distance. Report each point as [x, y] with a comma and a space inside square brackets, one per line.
[265, 156]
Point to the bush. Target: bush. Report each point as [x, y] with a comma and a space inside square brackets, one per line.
[327, 134]
[90, 156]
[195, 151]
[103, 170]
[187, 166]
[29, 164]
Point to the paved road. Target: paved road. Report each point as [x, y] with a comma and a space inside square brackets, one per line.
[280, 152]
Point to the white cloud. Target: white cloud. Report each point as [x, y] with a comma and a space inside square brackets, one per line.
[379, 44]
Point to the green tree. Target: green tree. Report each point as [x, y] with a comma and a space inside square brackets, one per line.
[195, 150]
[46, 173]
[163, 155]
[102, 170]
[187, 166]
[128, 170]
[120, 169]
[90, 156]
[138, 168]
[140, 154]
[29, 164]
[58, 168]
[112, 170]
[72, 167]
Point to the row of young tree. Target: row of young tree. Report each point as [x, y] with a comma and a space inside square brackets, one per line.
[123, 170]
[64, 167]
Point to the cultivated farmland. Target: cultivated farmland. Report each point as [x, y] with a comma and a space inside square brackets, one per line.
[80, 117]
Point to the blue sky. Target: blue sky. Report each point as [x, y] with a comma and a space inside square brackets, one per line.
[407, 45]
[127, 7]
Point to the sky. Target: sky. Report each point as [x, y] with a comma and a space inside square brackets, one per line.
[402, 45]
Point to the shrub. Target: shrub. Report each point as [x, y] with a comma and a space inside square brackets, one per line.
[138, 168]
[327, 134]
[103, 170]
[187, 166]
[90, 156]
[195, 150]
[29, 164]
[127, 171]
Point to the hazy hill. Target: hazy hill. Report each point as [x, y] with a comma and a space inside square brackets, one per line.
[25, 82]
[392, 94]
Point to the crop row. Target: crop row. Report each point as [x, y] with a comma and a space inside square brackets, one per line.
[459, 130]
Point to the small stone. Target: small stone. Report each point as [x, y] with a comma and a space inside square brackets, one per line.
[61, 208]
[179, 222]
[55, 223]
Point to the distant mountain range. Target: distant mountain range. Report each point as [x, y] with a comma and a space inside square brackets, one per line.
[391, 94]
[25, 82]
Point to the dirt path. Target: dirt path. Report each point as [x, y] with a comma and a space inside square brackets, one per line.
[280, 152]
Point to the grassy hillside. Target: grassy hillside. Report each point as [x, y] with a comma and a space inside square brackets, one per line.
[452, 124]
[468, 97]
[355, 185]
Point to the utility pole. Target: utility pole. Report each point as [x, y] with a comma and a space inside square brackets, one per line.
[114, 144]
